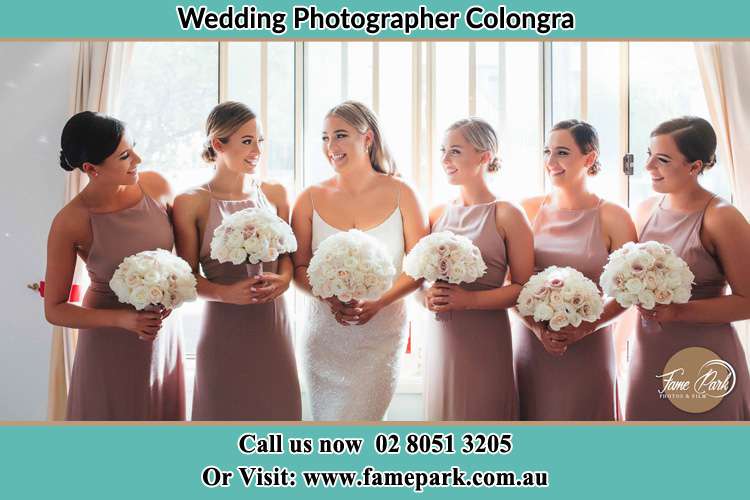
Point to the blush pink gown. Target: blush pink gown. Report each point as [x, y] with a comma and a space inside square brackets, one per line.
[469, 354]
[245, 363]
[653, 344]
[580, 384]
[115, 375]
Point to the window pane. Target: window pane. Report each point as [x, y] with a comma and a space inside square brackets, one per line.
[509, 97]
[566, 80]
[357, 83]
[395, 81]
[166, 117]
[323, 90]
[604, 114]
[664, 83]
[451, 103]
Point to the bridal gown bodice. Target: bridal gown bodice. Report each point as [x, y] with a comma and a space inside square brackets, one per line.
[351, 371]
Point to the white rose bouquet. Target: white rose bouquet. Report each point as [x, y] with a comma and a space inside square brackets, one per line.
[560, 296]
[445, 256]
[646, 274]
[253, 236]
[154, 279]
[351, 265]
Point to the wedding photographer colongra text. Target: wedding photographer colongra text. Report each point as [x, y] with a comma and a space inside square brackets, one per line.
[476, 18]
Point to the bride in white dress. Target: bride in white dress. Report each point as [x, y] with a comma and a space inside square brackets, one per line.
[350, 353]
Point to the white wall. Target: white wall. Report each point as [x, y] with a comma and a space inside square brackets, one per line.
[35, 89]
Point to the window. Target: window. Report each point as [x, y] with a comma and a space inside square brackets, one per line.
[418, 89]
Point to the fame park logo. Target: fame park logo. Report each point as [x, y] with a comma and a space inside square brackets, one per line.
[696, 380]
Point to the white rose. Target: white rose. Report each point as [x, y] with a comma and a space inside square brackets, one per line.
[647, 299]
[543, 312]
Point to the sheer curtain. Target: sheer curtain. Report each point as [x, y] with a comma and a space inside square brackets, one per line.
[97, 79]
[725, 67]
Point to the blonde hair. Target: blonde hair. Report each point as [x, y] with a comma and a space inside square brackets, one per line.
[363, 119]
[482, 136]
[224, 120]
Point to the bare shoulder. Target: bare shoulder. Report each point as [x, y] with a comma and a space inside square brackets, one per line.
[614, 213]
[644, 208]
[303, 203]
[406, 192]
[275, 192]
[155, 185]
[507, 210]
[72, 221]
[721, 215]
[191, 201]
[436, 212]
[531, 205]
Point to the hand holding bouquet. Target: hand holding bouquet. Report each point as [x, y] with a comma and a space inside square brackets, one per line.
[560, 296]
[446, 257]
[350, 265]
[253, 236]
[155, 278]
[646, 274]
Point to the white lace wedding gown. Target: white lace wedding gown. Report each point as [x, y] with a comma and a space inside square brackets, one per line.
[351, 371]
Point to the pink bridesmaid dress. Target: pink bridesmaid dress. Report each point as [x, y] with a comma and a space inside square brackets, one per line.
[580, 384]
[116, 376]
[654, 344]
[245, 363]
[468, 354]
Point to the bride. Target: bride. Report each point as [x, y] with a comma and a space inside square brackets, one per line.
[350, 352]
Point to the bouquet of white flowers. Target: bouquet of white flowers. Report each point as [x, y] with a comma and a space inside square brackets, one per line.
[351, 265]
[445, 256]
[561, 296]
[154, 279]
[647, 274]
[252, 235]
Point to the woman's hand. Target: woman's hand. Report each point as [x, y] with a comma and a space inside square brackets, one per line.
[443, 297]
[240, 293]
[573, 334]
[356, 312]
[145, 324]
[553, 342]
[269, 287]
[661, 313]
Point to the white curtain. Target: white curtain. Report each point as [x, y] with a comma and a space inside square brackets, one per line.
[725, 68]
[97, 79]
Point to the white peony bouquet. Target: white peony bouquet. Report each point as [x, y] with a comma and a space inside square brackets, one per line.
[560, 296]
[252, 235]
[154, 279]
[646, 274]
[445, 256]
[351, 265]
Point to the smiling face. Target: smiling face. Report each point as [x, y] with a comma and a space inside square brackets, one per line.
[669, 169]
[564, 160]
[461, 161]
[119, 168]
[343, 145]
[241, 151]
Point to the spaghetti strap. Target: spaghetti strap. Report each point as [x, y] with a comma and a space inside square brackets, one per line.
[708, 203]
[398, 196]
[312, 202]
[536, 215]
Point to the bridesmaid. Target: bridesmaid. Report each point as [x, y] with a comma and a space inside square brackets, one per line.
[245, 365]
[351, 351]
[469, 356]
[712, 236]
[128, 364]
[570, 374]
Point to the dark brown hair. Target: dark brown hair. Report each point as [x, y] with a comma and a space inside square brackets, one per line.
[224, 120]
[694, 137]
[89, 138]
[586, 138]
